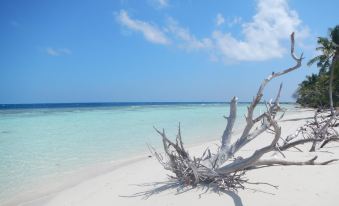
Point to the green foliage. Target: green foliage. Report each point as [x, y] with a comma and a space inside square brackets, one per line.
[314, 91]
[334, 34]
[336, 85]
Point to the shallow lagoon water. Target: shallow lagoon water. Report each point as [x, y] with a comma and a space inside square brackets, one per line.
[40, 143]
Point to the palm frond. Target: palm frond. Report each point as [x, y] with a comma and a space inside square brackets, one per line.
[313, 60]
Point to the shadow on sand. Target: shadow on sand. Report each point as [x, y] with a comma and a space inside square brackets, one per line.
[159, 187]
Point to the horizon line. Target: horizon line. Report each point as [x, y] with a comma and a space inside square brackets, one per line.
[103, 104]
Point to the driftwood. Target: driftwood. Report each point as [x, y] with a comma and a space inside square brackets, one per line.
[224, 169]
[319, 131]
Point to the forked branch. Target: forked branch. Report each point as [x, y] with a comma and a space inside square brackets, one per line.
[222, 168]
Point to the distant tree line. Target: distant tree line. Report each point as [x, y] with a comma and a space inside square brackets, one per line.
[319, 90]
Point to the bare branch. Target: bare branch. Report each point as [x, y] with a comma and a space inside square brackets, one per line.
[226, 172]
[226, 137]
[288, 163]
[250, 161]
[250, 122]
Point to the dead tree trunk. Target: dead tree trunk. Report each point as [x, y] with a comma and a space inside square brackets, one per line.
[222, 168]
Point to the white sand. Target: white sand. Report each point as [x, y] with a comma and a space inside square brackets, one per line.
[298, 185]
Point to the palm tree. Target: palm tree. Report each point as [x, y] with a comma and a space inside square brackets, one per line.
[311, 92]
[328, 60]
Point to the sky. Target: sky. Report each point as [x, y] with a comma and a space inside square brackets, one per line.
[154, 50]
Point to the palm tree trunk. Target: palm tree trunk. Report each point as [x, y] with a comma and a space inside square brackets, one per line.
[334, 61]
[331, 88]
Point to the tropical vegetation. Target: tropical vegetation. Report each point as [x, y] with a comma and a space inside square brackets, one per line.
[322, 89]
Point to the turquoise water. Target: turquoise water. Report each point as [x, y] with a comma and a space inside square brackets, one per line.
[40, 143]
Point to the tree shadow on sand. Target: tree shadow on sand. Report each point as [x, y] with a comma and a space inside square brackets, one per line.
[178, 188]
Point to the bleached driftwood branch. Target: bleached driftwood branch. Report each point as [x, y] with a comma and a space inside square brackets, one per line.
[224, 169]
[319, 131]
[225, 153]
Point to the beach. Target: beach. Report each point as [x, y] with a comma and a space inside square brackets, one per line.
[169, 102]
[125, 182]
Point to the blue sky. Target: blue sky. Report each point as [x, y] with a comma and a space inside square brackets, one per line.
[153, 50]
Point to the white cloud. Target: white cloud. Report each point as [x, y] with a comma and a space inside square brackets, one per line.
[159, 4]
[150, 32]
[220, 19]
[236, 20]
[263, 36]
[162, 3]
[186, 39]
[58, 51]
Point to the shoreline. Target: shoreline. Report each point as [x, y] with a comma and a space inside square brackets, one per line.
[101, 169]
[40, 192]
[85, 173]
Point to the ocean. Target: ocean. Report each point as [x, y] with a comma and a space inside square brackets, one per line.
[40, 141]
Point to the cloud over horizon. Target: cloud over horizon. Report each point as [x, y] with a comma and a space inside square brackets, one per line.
[273, 22]
[219, 19]
[159, 4]
[58, 51]
[151, 32]
[262, 39]
[184, 39]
